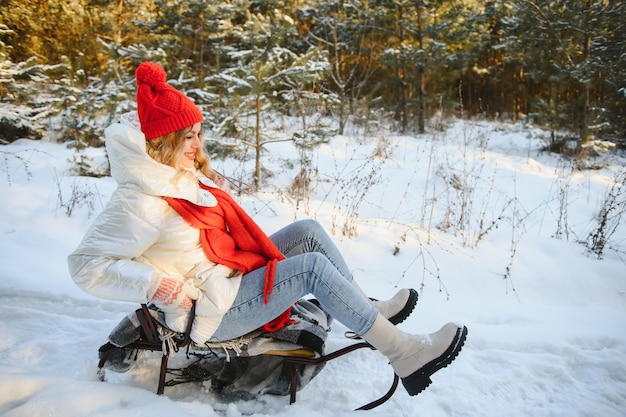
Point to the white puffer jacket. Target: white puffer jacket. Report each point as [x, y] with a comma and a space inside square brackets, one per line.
[139, 238]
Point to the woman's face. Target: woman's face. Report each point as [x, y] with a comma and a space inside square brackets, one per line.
[193, 143]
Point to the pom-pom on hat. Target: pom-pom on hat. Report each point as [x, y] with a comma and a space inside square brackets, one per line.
[162, 109]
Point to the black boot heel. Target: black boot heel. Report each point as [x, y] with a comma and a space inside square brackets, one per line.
[416, 383]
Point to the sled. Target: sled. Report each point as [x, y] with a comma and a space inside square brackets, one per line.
[296, 358]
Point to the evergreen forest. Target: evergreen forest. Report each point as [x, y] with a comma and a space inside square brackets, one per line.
[67, 66]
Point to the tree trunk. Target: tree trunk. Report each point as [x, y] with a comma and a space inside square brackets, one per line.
[584, 106]
[257, 134]
[421, 96]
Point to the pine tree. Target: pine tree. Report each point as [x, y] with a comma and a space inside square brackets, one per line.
[343, 29]
[565, 48]
[267, 77]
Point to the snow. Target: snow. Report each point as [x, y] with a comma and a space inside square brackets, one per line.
[546, 319]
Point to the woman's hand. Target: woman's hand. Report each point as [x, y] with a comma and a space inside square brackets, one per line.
[220, 181]
[174, 293]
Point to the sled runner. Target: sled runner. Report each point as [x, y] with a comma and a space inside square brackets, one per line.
[278, 363]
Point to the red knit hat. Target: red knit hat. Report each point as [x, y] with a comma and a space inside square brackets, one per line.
[162, 109]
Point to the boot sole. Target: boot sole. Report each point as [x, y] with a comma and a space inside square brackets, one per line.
[419, 380]
[407, 310]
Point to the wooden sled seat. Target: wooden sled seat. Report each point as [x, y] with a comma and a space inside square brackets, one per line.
[152, 339]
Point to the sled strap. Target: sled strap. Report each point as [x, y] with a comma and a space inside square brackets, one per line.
[153, 340]
[295, 361]
[384, 398]
[147, 324]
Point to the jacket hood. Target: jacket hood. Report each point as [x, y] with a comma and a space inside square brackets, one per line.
[133, 168]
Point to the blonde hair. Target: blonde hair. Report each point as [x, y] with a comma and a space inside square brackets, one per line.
[167, 150]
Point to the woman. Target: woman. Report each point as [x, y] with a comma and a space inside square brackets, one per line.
[170, 235]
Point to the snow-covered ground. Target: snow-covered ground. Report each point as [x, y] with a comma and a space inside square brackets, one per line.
[547, 321]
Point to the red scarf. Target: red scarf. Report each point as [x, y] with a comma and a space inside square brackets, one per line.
[233, 239]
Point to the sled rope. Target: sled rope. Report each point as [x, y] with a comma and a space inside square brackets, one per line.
[168, 342]
[235, 345]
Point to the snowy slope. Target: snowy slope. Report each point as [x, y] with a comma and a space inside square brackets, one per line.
[545, 339]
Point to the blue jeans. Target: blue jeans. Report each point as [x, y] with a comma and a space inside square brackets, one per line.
[313, 266]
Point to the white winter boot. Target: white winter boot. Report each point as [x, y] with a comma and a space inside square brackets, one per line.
[414, 358]
[397, 308]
